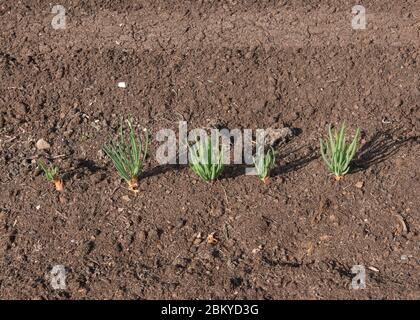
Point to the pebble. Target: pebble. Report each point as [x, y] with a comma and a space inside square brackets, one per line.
[373, 269]
[142, 236]
[154, 234]
[397, 103]
[197, 241]
[21, 109]
[359, 184]
[2, 217]
[68, 133]
[181, 222]
[122, 84]
[41, 144]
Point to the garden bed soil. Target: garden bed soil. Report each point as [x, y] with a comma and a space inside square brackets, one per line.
[246, 64]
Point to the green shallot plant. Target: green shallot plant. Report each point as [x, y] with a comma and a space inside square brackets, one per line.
[264, 162]
[336, 154]
[128, 154]
[206, 160]
[52, 175]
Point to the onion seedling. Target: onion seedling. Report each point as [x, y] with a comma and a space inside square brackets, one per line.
[264, 162]
[128, 155]
[51, 174]
[336, 154]
[206, 160]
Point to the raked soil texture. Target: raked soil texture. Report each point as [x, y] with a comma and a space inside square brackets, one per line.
[240, 64]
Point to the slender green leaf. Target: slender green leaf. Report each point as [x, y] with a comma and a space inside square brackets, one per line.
[126, 153]
[336, 154]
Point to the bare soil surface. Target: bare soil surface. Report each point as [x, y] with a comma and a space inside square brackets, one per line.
[246, 64]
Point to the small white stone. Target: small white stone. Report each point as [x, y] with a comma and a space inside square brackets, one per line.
[41, 144]
[122, 84]
[38, 207]
[373, 269]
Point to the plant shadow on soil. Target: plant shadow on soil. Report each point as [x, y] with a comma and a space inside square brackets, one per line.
[83, 165]
[161, 169]
[379, 148]
[298, 163]
[90, 165]
[233, 171]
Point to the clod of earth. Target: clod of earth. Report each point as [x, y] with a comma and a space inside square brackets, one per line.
[59, 185]
[211, 239]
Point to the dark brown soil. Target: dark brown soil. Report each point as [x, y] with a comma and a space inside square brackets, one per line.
[249, 64]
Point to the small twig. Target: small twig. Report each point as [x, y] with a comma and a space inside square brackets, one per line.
[61, 214]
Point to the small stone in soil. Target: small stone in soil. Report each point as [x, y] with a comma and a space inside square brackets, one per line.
[181, 222]
[197, 241]
[21, 109]
[41, 144]
[359, 184]
[142, 236]
[153, 234]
